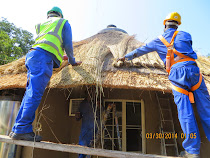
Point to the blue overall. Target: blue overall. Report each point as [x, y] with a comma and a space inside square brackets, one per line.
[87, 130]
[39, 64]
[184, 75]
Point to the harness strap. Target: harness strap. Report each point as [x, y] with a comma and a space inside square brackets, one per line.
[185, 58]
[170, 60]
[195, 87]
[164, 41]
[188, 93]
[172, 39]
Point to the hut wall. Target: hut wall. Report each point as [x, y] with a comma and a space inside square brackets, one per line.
[57, 122]
[57, 126]
[67, 130]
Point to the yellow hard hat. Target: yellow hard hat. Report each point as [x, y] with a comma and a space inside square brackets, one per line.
[173, 16]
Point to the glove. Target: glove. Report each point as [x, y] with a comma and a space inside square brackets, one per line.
[65, 57]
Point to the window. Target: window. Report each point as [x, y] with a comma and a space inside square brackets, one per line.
[74, 104]
[130, 131]
[111, 141]
[133, 126]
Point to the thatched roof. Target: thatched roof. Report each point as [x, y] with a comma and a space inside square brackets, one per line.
[98, 54]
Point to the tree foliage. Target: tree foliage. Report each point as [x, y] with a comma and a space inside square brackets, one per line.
[14, 42]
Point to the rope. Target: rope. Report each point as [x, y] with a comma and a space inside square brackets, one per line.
[38, 126]
[44, 117]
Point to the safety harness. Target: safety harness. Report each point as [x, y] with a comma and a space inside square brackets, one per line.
[170, 60]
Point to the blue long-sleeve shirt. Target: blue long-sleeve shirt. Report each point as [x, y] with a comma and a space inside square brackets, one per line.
[67, 45]
[182, 43]
[67, 42]
[86, 110]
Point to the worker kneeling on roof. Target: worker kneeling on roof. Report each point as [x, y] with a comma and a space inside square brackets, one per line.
[53, 37]
[175, 49]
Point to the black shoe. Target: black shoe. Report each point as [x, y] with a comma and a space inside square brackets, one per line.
[26, 136]
[185, 154]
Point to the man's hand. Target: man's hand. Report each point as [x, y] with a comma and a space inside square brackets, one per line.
[77, 63]
[77, 116]
[65, 57]
[121, 59]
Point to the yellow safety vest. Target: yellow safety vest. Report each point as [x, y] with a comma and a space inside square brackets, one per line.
[50, 36]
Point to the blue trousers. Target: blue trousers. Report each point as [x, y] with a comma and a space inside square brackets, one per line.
[185, 77]
[39, 71]
[85, 138]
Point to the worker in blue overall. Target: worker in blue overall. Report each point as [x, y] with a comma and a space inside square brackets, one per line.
[53, 37]
[175, 49]
[86, 112]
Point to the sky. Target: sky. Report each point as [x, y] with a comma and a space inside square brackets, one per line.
[143, 18]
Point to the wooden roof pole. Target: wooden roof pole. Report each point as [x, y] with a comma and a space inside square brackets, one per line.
[78, 149]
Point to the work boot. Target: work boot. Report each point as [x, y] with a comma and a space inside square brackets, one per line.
[25, 136]
[185, 154]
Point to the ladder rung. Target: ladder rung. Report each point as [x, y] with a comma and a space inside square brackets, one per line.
[168, 132]
[166, 109]
[170, 144]
[165, 98]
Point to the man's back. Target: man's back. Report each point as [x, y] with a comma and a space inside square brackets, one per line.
[182, 43]
[87, 113]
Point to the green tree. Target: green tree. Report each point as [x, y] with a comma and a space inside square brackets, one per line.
[14, 42]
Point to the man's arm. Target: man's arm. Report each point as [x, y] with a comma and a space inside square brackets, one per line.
[150, 47]
[78, 116]
[67, 44]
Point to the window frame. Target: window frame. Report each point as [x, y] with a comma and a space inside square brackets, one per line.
[71, 105]
[123, 101]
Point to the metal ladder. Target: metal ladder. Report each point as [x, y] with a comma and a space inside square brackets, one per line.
[167, 132]
[111, 107]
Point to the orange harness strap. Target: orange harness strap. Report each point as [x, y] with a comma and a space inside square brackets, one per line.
[183, 57]
[164, 41]
[170, 60]
[193, 88]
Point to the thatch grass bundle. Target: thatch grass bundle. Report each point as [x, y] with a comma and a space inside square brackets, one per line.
[204, 65]
[15, 67]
